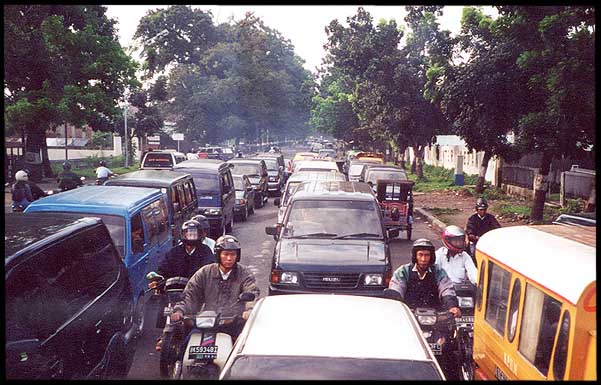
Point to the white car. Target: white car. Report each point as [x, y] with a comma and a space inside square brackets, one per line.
[315, 165]
[331, 337]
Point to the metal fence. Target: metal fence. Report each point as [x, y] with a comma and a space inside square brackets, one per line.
[578, 184]
[519, 175]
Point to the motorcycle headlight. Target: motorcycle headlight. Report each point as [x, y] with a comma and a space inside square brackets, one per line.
[426, 319]
[213, 211]
[465, 301]
[373, 280]
[205, 322]
[427, 334]
[289, 278]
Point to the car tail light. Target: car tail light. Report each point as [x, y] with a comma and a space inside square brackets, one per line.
[275, 276]
[387, 278]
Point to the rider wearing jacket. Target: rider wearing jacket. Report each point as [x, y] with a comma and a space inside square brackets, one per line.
[103, 173]
[67, 179]
[189, 255]
[21, 191]
[422, 283]
[452, 256]
[204, 231]
[481, 222]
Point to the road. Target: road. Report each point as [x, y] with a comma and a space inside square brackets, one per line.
[257, 249]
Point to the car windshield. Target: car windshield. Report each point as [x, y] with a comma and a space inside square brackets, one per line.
[334, 217]
[257, 367]
[373, 176]
[355, 169]
[289, 190]
[272, 164]
[247, 169]
[206, 182]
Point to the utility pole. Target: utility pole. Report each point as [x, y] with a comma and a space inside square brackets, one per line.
[125, 136]
[66, 151]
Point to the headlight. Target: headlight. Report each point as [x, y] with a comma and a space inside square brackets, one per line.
[272, 179]
[373, 279]
[466, 301]
[213, 211]
[426, 319]
[205, 322]
[290, 278]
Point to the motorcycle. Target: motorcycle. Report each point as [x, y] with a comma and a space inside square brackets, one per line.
[168, 292]
[464, 332]
[208, 347]
[17, 208]
[56, 191]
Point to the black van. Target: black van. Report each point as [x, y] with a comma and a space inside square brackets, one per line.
[69, 302]
[182, 202]
[215, 191]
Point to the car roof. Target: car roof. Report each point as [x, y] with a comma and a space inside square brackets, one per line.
[339, 190]
[207, 164]
[268, 155]
[246, 160]
[147, 178]
[323, 164]
[540, 252]
[117, 200]
[174, 152]
[328, 325]
[24, 232]
[301, 176]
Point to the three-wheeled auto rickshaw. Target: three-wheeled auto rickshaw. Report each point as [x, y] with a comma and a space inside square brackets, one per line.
[396, 202]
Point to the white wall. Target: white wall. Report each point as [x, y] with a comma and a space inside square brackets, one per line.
[72, 153]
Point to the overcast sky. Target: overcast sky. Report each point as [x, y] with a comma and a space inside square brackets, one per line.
[303, 25]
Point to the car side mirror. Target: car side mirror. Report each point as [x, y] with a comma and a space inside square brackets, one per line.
[271, 230]
[391, 294]
[247, 297]
[276, 202]
[393, 233]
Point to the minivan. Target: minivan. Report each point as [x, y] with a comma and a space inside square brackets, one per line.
[256, 170]
[136, 218]
[161, 160]
[215, 191]
[179, 190]
[69, 305]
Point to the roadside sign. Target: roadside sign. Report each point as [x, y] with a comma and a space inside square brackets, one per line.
[177, 136]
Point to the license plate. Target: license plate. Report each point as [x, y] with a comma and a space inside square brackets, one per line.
[203, 352]
[465, 319]
[436, 348]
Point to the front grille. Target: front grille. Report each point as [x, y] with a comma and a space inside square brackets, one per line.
[321, 280]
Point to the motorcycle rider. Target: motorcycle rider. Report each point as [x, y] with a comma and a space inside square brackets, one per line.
[67, 179]
[452, 256]
[103, 173]
[36, 191]
[204, 231]
[189, 255]
[480, 223]
[217, 287]
[21, 192]
[422, 283]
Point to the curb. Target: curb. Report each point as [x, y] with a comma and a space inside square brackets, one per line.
[440, 225]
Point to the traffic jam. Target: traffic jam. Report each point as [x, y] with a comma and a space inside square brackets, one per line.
[154, 268]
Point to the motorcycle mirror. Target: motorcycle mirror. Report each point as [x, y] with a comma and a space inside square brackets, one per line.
[152, 276]
[247, 297]
[392, 294]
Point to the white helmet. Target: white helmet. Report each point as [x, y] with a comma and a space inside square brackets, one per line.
[21, 175]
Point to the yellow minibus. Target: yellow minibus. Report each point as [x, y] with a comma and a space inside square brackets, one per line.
[536, 304]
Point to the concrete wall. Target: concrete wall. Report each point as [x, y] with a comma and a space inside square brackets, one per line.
[77, 153]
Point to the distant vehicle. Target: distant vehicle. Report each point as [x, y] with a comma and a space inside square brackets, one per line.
[580, 219]
[377, 156]
[315, 165]
[256, 170]
[281, 162]
[373, 172]
[275, 178]
[68, 299]
[216, 152]
[245, 197]
[355, 168]
[352, 338]
[161, 160]
[331, 240]
[327, 153]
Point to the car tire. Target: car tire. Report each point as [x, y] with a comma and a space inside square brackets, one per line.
[229, 226]
[252, 208]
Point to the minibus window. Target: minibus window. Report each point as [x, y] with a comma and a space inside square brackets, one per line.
[513, 309]
[497, 296]
[539, 324]
[561, 349]
[480, 288]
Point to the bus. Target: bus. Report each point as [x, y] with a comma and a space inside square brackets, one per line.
[536, 304]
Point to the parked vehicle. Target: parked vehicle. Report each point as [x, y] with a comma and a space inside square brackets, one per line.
[215, 192]
[179, 189]
[396, 202]
[169, 291]
[533, 319]
[256, 170]
[330, 337]
[161, 160]
[208, 347]
[245, 197]
[137, 221]
[332, 240]
[69, 304]
[297, 179]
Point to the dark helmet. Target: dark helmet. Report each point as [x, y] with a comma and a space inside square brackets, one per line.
[453, 237]
[481, 204]
[66, 166]
[423, 244]
[227, 242]
[27, 171]
[102, 163]
[204, 222]
[191, 232]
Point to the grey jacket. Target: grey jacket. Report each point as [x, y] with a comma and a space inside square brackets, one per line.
[207, 287]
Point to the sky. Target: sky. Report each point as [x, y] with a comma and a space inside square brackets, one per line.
[304, 26]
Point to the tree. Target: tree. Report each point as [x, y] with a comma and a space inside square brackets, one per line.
[62, 64]
[556, 54]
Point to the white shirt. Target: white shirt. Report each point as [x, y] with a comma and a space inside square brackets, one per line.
[103, 172]
[225, 276]
[209, 242]
[459, 267]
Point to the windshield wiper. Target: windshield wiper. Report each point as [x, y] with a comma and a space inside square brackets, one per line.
[358, 235]
[329, 235]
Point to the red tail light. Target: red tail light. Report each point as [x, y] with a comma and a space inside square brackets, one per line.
[387, 278]
[275, 276]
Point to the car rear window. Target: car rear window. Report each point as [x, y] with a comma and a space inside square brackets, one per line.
[206, 182]
[373, 176]
[158, 160]
[247, 169]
